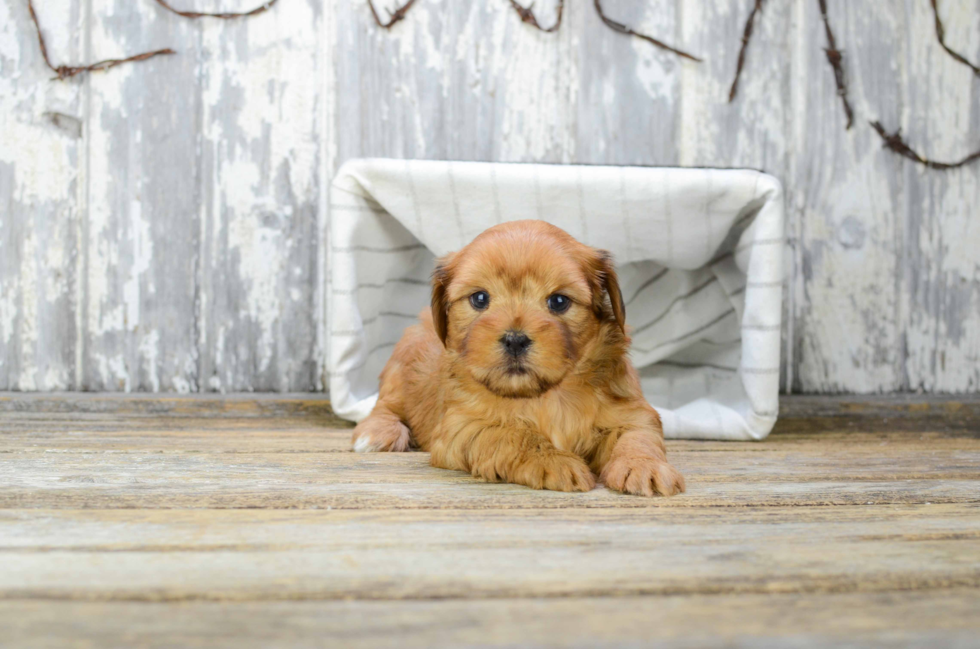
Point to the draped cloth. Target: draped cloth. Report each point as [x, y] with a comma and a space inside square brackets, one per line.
[699, 254]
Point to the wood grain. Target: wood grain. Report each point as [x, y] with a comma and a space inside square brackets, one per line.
[140, 234]
[941, 283]
[164, 236]
[247, 521]
[623, 74]
[161, 225]
[848, 196]
[403, 555]
[259, 177]
[41, 204]
[119, 406]
[930, 618]
[161, 467]
[253, 435]
[290, 460]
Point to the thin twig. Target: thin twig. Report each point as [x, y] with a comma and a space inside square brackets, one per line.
[68, 71]
[894, 142]
[835, 57]
[623, 29]
[746, 37]
[527, 15]
[941, 35]
[393, 16]
[224, 15]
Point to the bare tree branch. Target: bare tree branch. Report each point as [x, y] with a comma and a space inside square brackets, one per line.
[67, 71]
[224, 15]
[746, 37]
[941, 35]
[393, 16]
[894, 142]
[835, 58]
[528, 17]
[623, 29]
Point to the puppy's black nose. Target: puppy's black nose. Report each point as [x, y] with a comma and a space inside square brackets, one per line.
[516, 343]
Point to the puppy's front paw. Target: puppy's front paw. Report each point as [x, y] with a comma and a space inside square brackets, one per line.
[642, 475]
[381, 434]
[558, 472]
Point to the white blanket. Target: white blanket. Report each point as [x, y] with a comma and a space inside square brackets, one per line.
[699, 254]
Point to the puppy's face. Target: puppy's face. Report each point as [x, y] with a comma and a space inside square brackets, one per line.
[519, 304]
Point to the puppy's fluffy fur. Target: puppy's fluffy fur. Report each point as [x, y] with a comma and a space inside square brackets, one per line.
[554, 410]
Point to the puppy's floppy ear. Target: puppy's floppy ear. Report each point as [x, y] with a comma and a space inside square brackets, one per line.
[605, 279]
[441, 277]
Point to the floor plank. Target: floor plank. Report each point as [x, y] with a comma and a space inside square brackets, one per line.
[822, 474]
[75, 404]
[199, 555]
[944, 618]
[798, 413]
[463, 493]
[228, 435]
[189, 521]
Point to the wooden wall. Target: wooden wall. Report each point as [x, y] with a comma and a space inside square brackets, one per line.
[162, 225]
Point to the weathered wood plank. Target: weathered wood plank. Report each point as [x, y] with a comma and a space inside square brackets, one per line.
[158, 226]
[260, 184]
[460, 81]
[637, 85]
[111, 530]
[333, 555]
[40, 149]
[941, 275]
[87, 423]
[466, 494]
[102, 512]
[347, 480]
[38, 470]
[751, 131]
[795, 410]
[115, 406]
[848, 196]
[260, 435]
[910, 412]
[140, 239]
[934, 618]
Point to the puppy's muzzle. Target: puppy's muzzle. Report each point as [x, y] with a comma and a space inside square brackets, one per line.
[516, 343]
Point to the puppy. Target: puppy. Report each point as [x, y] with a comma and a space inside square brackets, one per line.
[520, 371]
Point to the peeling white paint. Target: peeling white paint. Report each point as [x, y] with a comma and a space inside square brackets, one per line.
[654, 68]
[259, 263]
[149, 350]
[54, 378]
[181, 385]
[8, 311]
[37, 181]
[142, 247]
[533, 105]
[887, 293]
[28, 316]
[113, 373]
[10, 39]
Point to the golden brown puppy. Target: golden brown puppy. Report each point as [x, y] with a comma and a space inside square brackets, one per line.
[520, 372]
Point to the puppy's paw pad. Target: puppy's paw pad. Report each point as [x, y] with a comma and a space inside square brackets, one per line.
[559, 473]
[644, 476]
[380, 436]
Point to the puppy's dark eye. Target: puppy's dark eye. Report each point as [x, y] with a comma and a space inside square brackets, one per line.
[558, 303]
[480, 300]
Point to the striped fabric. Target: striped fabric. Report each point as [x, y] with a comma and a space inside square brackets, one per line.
[699, 253]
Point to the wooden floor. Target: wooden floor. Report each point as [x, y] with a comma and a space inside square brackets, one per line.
[245, 521]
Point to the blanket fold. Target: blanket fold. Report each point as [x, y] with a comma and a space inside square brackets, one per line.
[699, 254]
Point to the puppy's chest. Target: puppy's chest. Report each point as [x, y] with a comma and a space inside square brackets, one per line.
[568, 424]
